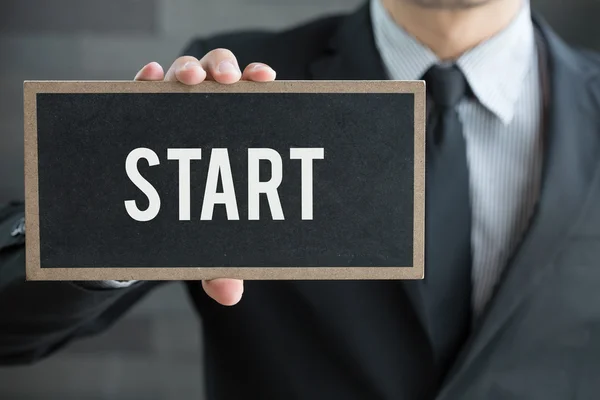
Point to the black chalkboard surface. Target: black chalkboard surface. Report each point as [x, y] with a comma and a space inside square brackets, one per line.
[283, 180]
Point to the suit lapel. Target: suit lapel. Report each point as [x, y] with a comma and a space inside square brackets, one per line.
[572, 144]
[351, 54]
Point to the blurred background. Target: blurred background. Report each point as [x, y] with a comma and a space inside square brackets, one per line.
[154, 353]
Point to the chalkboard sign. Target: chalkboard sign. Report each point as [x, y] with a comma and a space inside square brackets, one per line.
[281, 180]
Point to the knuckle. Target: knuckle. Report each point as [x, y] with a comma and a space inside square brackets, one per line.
[221, 53]
[184, 59]
[258, 65]
[253, 65]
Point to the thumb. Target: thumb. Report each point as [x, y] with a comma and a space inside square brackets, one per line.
[227, 292]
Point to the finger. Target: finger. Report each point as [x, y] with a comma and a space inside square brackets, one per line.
[150, 72]
[221, 66]
[259, 72]
[227, 292]
[186, 70]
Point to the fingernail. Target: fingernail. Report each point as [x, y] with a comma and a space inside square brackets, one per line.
[259, 67]
[189, 65]
[226, 67]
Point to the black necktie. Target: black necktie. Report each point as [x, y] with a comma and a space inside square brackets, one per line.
[447, 284]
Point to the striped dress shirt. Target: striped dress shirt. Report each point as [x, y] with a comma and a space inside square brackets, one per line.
[502, 129]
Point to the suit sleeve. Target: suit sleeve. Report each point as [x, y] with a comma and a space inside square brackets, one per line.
[38, 318]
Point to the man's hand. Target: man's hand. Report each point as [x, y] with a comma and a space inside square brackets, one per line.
[219, 65]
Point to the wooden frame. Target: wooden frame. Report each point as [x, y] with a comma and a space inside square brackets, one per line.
[36, 272]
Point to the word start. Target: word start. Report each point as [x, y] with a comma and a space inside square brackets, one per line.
[219, 167]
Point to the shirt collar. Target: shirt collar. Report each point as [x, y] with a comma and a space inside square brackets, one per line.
[495, 69]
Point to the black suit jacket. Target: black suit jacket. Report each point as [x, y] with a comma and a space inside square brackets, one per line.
[539, 338]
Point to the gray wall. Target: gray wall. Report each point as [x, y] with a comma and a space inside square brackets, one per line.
[154, 352]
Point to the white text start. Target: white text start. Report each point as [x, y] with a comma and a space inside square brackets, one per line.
[219, 166]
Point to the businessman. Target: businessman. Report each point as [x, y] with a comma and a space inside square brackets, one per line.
[510, 307]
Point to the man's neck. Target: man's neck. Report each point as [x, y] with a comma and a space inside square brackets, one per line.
[450, 33]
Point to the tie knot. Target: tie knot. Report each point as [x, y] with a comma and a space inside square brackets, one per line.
[446, 85]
